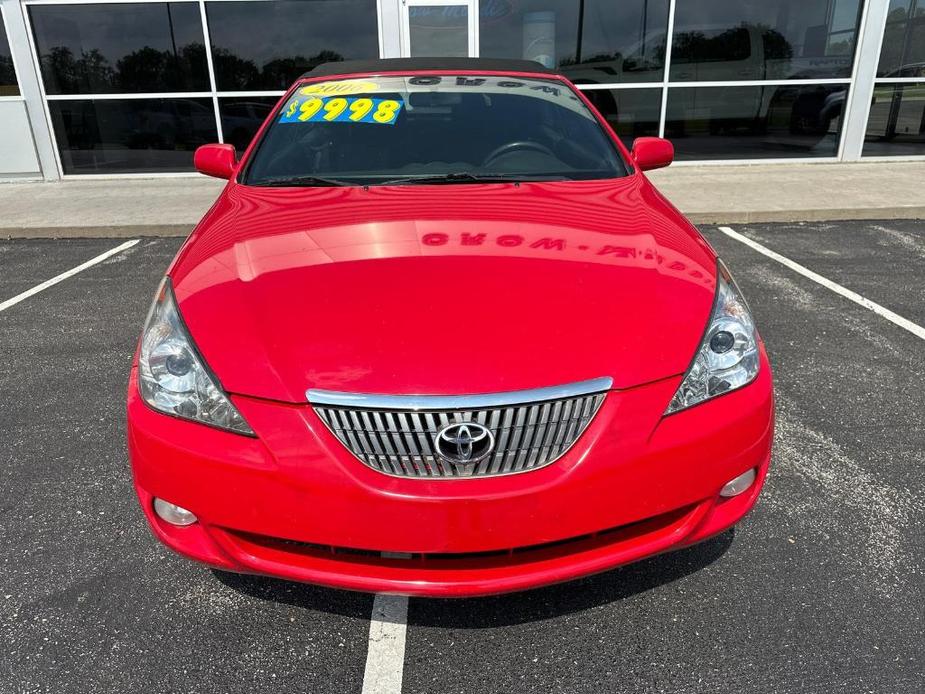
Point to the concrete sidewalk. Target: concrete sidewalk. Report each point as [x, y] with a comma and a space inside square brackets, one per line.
[707, 194]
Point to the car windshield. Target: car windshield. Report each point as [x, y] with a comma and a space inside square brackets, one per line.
[432, 129]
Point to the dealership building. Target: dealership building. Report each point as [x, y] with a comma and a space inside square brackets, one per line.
[91, 88]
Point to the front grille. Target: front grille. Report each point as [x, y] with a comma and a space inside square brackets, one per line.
[401, 441]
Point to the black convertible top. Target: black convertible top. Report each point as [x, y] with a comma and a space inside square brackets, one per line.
[347, 67]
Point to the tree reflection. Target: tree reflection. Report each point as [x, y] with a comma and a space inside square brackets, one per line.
[233, 72]
[644, 58]
[7, 77]
[144, 70]
[150, 70]
[730, 44]
[63, 72]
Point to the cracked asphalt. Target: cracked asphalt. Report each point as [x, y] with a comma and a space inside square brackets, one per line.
[820, 589]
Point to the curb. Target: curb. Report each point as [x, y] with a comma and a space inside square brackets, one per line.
[97, 232]
[807, 215]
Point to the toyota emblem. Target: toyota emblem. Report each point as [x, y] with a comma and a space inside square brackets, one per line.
[464, 443]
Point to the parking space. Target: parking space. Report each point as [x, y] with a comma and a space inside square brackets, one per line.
[820, 589]
[24, 265]
[883, 261]
[88, 600]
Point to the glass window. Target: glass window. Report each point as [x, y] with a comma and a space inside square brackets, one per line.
[896, 124]
[462, 129]
[631, 113]
[8, 84]
[541, 30]
[903, 49]
[763, 39]
[439, 31]
[268, 45]
[131, 135]
[755, 122]
[242, 118]
[107, 48]
[609, 42]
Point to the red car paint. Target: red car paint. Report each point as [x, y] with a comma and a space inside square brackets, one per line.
[349, 289]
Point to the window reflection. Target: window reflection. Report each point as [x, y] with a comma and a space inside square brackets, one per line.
[439, 31]
[131, 135]
[896, 124]
[755, 122]
[592, 42]
[542, 30]
[763, 39]
[621, 42]
[903, 50]
[8, 85]
[242, 118]
[267, 45]
[257, 45]
[631, 113]
[106, 48]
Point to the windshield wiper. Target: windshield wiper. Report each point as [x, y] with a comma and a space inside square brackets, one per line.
[301, 181]
[469, 177]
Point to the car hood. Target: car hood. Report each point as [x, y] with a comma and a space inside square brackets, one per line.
[457, 289]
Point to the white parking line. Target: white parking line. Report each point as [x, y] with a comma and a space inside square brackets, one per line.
[882, 311]
[64, 275]
[385, 659]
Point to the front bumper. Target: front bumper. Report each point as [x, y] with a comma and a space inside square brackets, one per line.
[294, 503]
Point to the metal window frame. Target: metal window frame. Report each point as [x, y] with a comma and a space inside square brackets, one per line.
[29, 92]
[473, 8]
[666, 68]
[867, 63]
[23, 87]
[213, 93]
[207, 40]
[391, 23]
[899, 80]
[722, 83]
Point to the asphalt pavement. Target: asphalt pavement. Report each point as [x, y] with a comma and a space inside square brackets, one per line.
[820, 589]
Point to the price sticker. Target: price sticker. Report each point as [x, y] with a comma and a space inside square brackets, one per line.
[340, 109]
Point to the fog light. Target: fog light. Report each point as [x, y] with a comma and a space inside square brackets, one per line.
[173, 514]
[736, 486]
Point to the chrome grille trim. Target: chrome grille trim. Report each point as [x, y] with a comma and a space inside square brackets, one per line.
[399, 441]
[372, 401]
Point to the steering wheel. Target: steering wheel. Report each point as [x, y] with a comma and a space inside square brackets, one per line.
[509, 147]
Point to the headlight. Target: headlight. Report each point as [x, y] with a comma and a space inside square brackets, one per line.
[173, 378]
[728, 355]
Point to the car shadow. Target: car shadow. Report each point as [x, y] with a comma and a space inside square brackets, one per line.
[566, 598]
[344, 603]
[499, 610]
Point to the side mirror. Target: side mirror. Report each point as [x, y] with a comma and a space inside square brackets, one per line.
[215, 160]
[652, 152]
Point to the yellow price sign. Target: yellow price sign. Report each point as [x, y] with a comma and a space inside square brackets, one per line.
[339, 109]
[339, 88]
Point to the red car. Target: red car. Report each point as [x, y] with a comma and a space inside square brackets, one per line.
[439, 335]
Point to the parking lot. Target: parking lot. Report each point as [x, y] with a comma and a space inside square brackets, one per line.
[820, 589]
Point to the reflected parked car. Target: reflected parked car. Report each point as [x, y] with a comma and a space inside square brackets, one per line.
[909, 70]
[242, 119]
[170, 123]
[897, 111]
[716, 53]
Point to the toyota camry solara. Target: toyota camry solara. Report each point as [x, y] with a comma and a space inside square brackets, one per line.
[439, 335]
